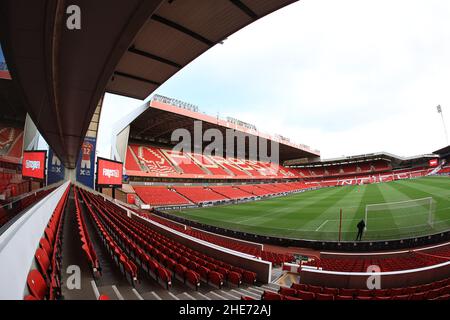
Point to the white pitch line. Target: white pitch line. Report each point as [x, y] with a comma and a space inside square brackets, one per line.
[323, 223]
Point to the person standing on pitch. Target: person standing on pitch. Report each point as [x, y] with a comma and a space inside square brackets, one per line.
[361, 225]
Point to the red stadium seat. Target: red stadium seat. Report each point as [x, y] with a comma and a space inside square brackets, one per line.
[43, 262]
[43, 243]
[339, 297]
[267, 295]
[215, 278]
[287, 291]
[36, 285]
[305, 295]
[322, 296]
[249, 277]
[234, 278]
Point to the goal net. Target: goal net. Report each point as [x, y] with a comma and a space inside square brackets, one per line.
[404, 216]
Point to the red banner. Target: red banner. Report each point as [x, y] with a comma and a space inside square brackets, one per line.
[109, 172]
[433, 162]
[33, 164]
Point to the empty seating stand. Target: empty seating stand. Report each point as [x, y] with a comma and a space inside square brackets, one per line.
[160, 196]
[44, 281]
[438, 290]
[87, 246]
[160, 256]
[200, 194]
[412, 260]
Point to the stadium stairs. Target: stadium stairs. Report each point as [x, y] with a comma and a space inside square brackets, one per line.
[116, 256]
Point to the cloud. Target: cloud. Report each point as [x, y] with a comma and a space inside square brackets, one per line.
[346, 77]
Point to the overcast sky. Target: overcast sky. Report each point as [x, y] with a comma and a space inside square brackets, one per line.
[346, 77]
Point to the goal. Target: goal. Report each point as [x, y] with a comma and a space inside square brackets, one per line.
[403, 214]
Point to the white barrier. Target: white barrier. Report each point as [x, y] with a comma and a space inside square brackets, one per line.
[19, 242]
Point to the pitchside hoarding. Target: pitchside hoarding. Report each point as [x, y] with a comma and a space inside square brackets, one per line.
[33, 164]
[109, 173]
[55, 172]
[86, 163]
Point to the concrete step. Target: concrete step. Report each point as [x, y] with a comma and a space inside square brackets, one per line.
[108, 291]
[127, 293]
[151, 295]
[271, 286]
[215, 296]
[230, 295]
[256, 290]
[245, 292]
[185, 296]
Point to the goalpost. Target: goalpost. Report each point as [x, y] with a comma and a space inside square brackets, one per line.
[417, 210]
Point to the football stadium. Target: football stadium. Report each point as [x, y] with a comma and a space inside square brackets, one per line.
[186, 205]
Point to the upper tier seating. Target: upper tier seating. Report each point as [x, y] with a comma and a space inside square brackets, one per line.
[209, 165]
[349, 169]
[131, 160]
[11, 142]
[155, 161]
[183, 161]
[159, 196]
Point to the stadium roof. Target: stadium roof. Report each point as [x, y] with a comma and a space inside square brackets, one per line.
[443, 151]
[11, 107]
[159, 119]
[126, 47]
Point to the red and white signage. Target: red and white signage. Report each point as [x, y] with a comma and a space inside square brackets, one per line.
[33, 164]
[433, 162]
[109, 172]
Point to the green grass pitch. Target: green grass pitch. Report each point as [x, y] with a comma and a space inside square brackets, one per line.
[315, 214]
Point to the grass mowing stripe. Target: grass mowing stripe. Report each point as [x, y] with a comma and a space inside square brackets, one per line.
[299, 215]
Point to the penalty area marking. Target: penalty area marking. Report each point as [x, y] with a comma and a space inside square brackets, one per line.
[323, 223]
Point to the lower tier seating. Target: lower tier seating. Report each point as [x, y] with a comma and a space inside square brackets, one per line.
[134, 244]
[275, 258]
[159, 196]
[200, 194]
[44, 282]
[411, 260]
[438, 290]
